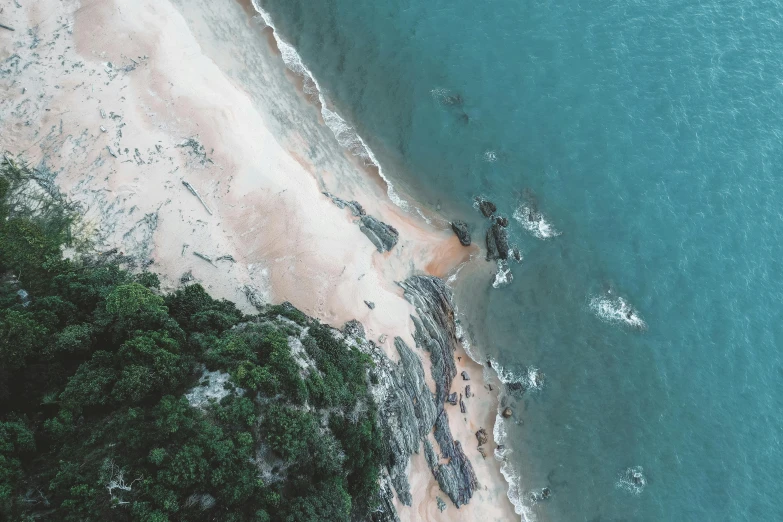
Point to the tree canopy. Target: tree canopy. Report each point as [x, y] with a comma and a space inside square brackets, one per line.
[99, 378]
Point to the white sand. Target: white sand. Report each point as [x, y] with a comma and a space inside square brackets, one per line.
[204, 69]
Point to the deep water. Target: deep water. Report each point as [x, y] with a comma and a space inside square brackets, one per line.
[650, 135]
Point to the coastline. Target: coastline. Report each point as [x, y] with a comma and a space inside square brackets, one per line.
[119, 102]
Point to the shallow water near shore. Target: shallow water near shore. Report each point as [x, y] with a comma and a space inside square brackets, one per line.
[636, 150]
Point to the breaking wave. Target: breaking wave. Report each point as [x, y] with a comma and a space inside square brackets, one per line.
[530, 378]
[503, 276]
[512, 476]
[632, 480]
[345, 134]
[535, 222]
[616, 310]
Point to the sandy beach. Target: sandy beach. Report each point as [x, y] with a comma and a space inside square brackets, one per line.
[121, 101]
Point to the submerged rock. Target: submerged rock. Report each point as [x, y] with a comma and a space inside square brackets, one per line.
[383, 236]
[461, 229]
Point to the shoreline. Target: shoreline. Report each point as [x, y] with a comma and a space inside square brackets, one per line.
[119, 102]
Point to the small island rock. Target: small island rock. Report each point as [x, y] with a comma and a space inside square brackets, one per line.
[461, 229]
[487, 207]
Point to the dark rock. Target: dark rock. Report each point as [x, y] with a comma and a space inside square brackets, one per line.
[385, 510]
[354, 328]
[186, 277]
[468, 394]
[482, 437]
[465, 376]
[435, 329]
[383, 236]
[517, 255]
[461, 229]
[497, 243]
[452, 398]
[356, 209]
[487, 207]
[507, 413]
[502, 221]
[441, 504]
[407, 409]
[370, 305]
[546, 493]
[462, 407]
[354, 206]
[515, 387]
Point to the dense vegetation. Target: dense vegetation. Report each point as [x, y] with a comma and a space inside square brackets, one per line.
[96, 366]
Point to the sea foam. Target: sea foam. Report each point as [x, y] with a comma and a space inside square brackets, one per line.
[535, 222]
[615, 309]
[503, 276]
[345, 134]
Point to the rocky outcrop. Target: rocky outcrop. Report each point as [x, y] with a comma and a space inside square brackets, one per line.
[482, 437]
[354, 206]
[461, 229]
[385, 512]
[465, 376]
[407, 409]
[497, 242]
[435, 330]
[383, 236]
[486, 207]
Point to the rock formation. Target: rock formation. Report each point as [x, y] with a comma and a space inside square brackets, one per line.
[497, 242]
[383, 236]
[407, 409]
[461, 229]
[486, 207]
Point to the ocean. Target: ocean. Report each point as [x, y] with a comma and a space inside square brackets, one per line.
[637, 149]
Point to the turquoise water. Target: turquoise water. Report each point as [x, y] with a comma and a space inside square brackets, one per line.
[650, 135]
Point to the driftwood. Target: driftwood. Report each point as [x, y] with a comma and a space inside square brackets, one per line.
[195, 193]
[7, 27]
[202, 256]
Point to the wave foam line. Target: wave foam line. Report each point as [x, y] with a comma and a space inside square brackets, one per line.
[512, 476]
[346, 135]
[502, 450]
